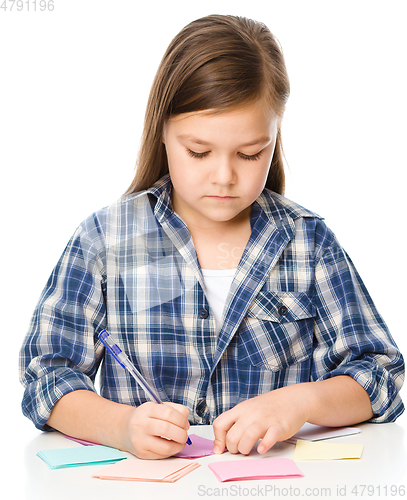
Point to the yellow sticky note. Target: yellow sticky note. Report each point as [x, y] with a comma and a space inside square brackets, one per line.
[311, 450]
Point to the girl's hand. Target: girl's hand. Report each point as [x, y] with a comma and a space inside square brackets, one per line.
[153, 431]
[274, 416]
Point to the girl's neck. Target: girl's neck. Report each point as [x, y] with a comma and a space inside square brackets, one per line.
[221, 248]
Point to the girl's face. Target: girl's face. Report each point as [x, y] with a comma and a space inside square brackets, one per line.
[219, 162]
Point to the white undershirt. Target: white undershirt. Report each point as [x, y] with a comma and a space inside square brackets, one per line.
[217, 285]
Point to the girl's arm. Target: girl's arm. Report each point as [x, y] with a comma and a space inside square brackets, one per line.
[149, 431]
[279, 414]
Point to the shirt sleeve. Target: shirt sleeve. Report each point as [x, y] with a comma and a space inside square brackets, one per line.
[351, 337]
[61, 352]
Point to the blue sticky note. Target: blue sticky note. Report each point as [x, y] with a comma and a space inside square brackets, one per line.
[58, 458]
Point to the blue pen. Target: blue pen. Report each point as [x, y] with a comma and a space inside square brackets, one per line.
[124, 361]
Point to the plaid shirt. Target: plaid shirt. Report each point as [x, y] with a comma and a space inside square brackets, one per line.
[297, 311]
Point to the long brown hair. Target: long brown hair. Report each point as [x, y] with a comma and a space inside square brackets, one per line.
[215, 63]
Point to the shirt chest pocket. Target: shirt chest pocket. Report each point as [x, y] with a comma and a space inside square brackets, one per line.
[278, 330]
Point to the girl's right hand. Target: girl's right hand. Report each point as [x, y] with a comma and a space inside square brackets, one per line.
[154, 431]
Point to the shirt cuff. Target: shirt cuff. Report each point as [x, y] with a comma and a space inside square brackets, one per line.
[384, 395]
[42, 394]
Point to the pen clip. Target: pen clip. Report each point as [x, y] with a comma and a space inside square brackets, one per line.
[114, 349]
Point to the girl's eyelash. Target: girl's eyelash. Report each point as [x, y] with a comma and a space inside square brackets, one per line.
[197, 155]
[250, 157]
[194, 154]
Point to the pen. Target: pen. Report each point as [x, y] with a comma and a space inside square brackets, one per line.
[124, 361]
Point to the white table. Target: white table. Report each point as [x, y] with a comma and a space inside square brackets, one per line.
[382, 466]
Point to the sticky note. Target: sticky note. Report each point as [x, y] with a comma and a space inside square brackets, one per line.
[201, 447]
[311, 432]
[263, 468]
[311, 450]
[81, 441]
[165, 471]
[79, 456]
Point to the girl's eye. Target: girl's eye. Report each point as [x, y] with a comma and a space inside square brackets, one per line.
[250, 157]
[194, 154]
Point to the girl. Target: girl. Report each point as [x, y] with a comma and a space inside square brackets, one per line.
[239, 306]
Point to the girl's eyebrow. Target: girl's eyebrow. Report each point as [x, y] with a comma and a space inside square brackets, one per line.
[196, 140]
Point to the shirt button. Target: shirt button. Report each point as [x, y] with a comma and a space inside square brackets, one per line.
[203, 313]
[283, 311]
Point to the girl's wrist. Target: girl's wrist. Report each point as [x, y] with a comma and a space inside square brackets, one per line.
[305, 397]
[122, 431]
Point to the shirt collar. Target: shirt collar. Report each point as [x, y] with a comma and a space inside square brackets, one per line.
[162, 191]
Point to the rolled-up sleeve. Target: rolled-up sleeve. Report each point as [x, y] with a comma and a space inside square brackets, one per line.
[351, 338]
[60, 352]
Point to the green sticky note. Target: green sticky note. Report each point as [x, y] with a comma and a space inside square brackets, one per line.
[58, 458]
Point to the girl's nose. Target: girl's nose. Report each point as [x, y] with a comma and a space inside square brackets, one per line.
[223, 172]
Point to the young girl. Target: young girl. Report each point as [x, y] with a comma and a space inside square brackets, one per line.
[239, 306]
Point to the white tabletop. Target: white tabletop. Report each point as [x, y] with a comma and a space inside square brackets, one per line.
[382, 469]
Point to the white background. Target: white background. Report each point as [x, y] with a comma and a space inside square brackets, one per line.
[73, 88]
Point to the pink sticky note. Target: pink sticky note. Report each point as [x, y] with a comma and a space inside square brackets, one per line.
[264, 468]
[201, 447]
[81, 441]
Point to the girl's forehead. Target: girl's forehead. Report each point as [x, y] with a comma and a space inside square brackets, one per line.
[249, 126]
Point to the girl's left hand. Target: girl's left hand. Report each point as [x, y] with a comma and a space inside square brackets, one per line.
[274, 416]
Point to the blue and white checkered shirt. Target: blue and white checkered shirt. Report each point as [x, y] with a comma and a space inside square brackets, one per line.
[297, 311]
